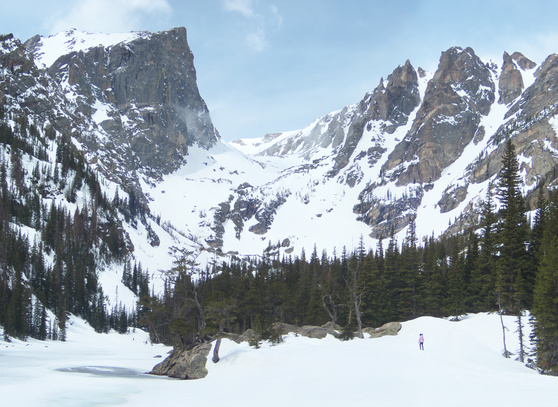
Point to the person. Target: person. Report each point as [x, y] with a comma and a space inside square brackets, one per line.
[421, 342]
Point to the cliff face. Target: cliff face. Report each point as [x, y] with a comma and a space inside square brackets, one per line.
[456, 98]
[140, 94]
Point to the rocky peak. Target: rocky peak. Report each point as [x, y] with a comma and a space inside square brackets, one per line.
[541, 97]
[460, 92]
[510, 84]
[394, 102]
[13, 55]
[523, 62]
[28, 90]
[142, 94]
[391, 103]
[529, 124]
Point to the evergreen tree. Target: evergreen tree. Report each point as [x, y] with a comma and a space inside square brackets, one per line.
[408, 275]
[470, 272]
[483, 278]
[391, 281]
[545, 309]
[456, 282]
[545, 304]
[513, 234]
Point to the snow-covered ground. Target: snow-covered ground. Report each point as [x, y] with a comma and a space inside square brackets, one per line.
[460, 366]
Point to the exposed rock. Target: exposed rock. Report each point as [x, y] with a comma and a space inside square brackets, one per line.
[460, 92]
[284, 328]
[523, 62]
[511, 81]
[391, 103]
[387, 214]
[528, 124]
[391, 328]
[456, 98]
[185, 364]
[249, 336]
[309, 331]
[316, 331]
[451, 198]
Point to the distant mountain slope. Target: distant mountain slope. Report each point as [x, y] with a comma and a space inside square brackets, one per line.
[424, 147]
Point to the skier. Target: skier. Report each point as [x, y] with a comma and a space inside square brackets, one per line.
[421, 342]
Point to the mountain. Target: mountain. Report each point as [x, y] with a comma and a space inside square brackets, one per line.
[110, 130]
[424, 147]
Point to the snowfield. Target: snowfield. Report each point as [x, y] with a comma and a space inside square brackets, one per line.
[460, 366]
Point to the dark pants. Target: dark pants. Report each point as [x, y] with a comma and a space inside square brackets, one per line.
[421, 345]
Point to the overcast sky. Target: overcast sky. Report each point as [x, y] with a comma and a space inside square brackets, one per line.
[275, 65]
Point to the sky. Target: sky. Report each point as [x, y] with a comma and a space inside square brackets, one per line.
[266, 66]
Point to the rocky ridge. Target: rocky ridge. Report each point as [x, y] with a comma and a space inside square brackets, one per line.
[399, 160]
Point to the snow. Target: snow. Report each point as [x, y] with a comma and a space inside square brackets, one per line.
[54, 46]
[101, 112]
[460, 366]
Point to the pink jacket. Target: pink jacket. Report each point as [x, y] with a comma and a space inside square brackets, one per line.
[421, 339]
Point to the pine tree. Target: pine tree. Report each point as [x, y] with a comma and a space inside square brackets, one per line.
[456, 282]
[408, 275]
[470, 272]
[513, 235]
[484, 277]
[391, 281]
[545, 310]
[545, 303]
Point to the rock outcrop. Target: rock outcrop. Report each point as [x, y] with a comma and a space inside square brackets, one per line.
[529, 122]
[510, 83]
[190, 364]
[309, 331]
[185, 364]
[391, 103]
[391, 329]
[460, 93]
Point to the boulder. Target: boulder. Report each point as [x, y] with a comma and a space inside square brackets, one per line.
[390, 328]
[249, 336]
[315, 331]
[309, 331]
[185, 364]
